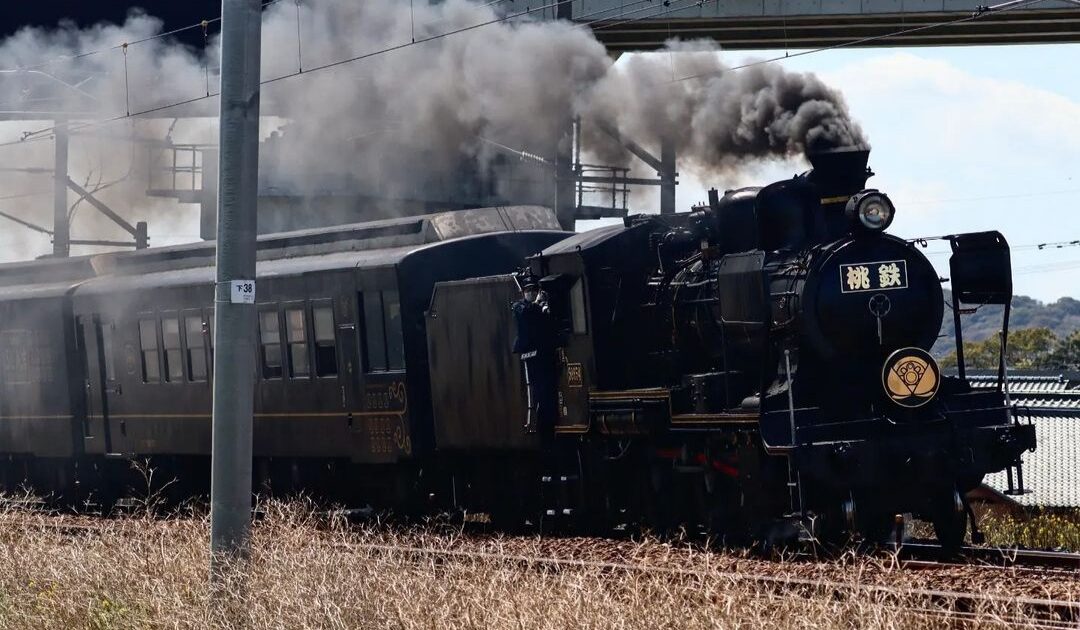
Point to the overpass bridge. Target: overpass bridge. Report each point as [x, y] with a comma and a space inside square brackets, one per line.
[635, 25]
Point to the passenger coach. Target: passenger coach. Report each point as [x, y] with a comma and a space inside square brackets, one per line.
[114, 364]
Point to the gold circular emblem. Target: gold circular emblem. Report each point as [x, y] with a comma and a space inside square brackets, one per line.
[910, 377]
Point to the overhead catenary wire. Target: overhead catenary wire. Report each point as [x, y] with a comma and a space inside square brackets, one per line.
[1031, 248]
[45, 133]
[1043, 193]
[1005, 7]
[529, 10]
[1045, 268]
[97, 51]
[41, 134]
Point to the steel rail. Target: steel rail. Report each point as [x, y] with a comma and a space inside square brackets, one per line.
[951, 606]
[1039, 612]
[992, 556]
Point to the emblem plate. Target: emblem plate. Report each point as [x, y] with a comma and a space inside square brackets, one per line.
[910, 377]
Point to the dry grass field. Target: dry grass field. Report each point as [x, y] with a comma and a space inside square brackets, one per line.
[63, 572]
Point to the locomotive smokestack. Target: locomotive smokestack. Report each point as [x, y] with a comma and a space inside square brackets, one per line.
[840, 172]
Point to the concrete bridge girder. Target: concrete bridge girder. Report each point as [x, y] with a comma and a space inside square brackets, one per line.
[626, 25]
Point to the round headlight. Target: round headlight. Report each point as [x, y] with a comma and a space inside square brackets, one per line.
[872, 209]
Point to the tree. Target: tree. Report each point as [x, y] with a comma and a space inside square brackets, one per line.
[1066, 356]
[1029, 349]
[978, 355]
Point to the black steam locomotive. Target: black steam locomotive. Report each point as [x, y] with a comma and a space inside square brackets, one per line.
[766, 357]
[756, 362]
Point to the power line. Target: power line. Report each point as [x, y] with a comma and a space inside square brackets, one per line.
[96, 51]
[1047, 193]
[41, 134]
[200, 24]
[984, 11]
[24, 195]
[1059, 245]
[1029, 247]
[1065, 265]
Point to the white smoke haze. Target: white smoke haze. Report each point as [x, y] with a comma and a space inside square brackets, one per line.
[390, 122]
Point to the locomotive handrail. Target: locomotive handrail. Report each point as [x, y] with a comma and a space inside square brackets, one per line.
[794, 478]
[739, 322]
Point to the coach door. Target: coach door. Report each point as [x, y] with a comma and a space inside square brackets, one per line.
[348, 359]
[101, 383]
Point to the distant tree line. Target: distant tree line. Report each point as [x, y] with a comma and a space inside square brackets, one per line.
[1061, 317]
[1029, 349]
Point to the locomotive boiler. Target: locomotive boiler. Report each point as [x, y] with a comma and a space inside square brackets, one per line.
[764, 361]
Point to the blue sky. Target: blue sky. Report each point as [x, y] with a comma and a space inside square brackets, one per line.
[964, 139]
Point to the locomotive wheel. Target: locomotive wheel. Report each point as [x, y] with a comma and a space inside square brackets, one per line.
[880, 529]
[950, 522]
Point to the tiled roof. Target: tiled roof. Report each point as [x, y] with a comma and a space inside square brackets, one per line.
[1041, 385]
[1039, 392]
[1035, 404]
[1052, 471]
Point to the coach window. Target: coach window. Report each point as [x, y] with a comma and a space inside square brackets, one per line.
[296, 336]
[395, 350]
[577, 307]
[382, 331]
[270, 348]
[148, 342]
[325, 343]
[15, 353]
[174, 361]
[196, 351]
[374, 339]
[107, 350]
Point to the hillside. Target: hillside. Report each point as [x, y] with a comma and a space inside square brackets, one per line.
[1062, 317]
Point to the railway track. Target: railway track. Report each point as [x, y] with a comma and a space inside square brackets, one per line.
[1004, 557]
[952, 606]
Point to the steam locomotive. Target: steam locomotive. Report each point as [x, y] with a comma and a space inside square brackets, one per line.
[757, 367]
[764, 359]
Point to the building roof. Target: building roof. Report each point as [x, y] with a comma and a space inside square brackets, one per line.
[1039, 392]
[1029, 383]
[1052, 471]
[1040, 403]
[1050, 401]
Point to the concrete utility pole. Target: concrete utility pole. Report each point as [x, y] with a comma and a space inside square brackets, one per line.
[61, 229]
[234, 332]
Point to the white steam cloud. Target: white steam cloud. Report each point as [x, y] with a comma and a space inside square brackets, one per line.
[392, 121]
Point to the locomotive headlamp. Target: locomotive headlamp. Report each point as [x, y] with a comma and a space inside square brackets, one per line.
[872, 208]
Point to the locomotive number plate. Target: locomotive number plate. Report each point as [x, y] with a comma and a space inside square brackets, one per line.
[575, 375]
[882, 275]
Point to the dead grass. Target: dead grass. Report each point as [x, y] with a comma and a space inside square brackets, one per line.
[65, 572]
